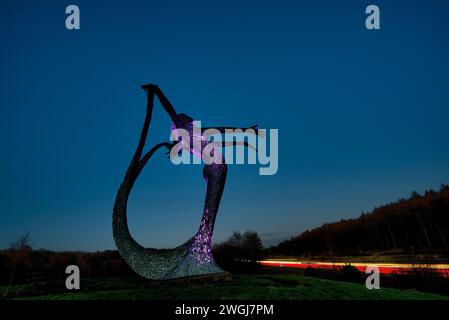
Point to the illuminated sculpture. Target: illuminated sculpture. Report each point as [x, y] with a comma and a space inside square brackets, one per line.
[192, 258]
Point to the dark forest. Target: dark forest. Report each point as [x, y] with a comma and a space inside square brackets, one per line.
[419, 224]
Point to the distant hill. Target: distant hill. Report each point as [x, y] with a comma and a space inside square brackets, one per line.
[417, 224]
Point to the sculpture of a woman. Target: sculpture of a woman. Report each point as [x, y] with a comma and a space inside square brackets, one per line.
[194, 257]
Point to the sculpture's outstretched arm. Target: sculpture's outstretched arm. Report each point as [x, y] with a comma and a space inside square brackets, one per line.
[150, 153]
[238, 143]
[142, 162]
[234, 143]
[168, 107]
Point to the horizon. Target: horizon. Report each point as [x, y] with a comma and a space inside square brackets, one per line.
[362, 115]
[264, 242]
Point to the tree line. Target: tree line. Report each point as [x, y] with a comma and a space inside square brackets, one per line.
[21, 263]
[239, 253]
[417, 224]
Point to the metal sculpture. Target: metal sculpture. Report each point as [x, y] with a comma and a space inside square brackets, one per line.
[194, 257]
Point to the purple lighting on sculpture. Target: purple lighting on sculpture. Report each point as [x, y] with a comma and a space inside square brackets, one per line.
[201, 247]
[194, 257]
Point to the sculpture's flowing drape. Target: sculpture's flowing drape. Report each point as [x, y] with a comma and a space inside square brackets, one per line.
[194, 257]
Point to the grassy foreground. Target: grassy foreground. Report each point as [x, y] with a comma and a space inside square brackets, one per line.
[263, 286]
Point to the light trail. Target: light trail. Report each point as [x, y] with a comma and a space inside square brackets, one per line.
[384, 268]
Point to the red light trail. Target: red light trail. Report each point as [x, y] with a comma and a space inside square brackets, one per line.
[384, 268]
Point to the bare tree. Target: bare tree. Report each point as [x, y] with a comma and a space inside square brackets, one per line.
[23, 242]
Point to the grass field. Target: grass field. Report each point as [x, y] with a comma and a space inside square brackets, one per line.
[261, 286]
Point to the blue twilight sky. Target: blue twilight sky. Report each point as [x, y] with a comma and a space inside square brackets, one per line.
[362, 115]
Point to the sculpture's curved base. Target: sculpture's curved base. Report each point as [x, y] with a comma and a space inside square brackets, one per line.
[183, 261]
[193, 258]
[193, 263]
[189, 267]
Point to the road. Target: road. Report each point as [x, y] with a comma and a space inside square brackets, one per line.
[384, 268]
